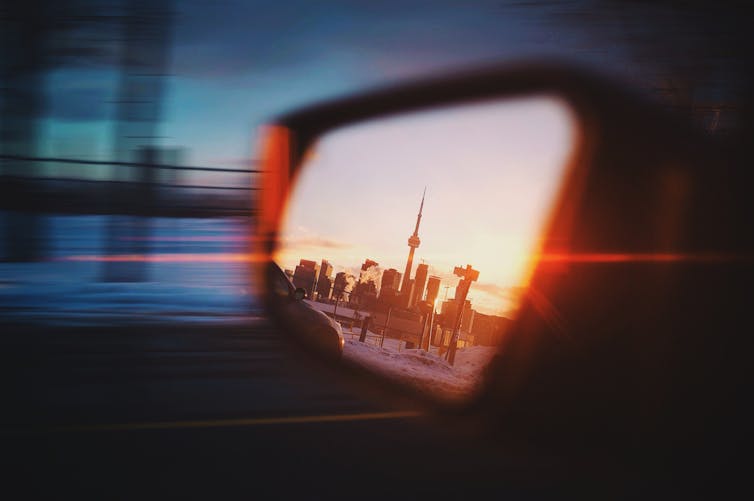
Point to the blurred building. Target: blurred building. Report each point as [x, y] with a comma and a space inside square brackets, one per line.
[324, 282]
[305, 276]
[413, 243]
[449, 310]
[433, 288]
[368, 264]
[340, 285]
[324, 288]
[389, 298]
[407, 292]
[420, 279]
[391, 279]
[364, 294]
[488, 330]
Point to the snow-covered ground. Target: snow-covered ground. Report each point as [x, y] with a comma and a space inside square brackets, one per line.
[193, 275]
[427, 372]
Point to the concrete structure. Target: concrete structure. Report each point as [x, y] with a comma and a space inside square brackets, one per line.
[413, 244]
[449, 310]
[324, 282]
[305, 276]
[407, 292]
[488, 330]
[340, 285]
[324, 287]
[391, 279]
[420, 280]
[433, 288]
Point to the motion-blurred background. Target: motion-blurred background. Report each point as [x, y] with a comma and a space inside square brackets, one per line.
[127, 160]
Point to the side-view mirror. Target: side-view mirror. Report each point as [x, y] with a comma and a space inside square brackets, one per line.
[299, 294]
[549, 265]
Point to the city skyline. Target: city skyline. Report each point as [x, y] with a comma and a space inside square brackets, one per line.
[491, 170]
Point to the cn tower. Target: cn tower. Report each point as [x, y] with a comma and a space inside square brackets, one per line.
[413, 243]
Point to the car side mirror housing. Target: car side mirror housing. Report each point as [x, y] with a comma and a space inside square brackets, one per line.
[623, 229]
[299, 294]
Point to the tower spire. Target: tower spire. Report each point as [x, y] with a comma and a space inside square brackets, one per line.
[413, 243]
[419, 216]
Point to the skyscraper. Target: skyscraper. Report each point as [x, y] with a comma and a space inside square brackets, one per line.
[413, 243]
[306, 275]
[407, 293]
[419, 280]
[324, 282]
[433, 288]
[340, 285]
[391, 279]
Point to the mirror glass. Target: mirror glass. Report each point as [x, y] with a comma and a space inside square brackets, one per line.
[416, 232]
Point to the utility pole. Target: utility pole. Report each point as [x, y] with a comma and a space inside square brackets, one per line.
[467, 275]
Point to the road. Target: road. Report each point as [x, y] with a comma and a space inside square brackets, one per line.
[171, 411]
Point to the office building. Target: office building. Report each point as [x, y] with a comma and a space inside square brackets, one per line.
[433, 288]
[305, 276]
[324, 283]
[419, 281]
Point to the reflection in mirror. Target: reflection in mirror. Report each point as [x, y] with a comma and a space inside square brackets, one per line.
[415, 232]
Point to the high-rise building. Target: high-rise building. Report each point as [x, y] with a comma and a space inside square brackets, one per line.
[407, 292]
[324, 287]
[391, 279]
[419, 280]
[364, 294]
[433, 288]
[305, 276]
[368, 264]
[340, 285]
[449, 310]
[413, 244]
[324, 283]
[467, 320]
[489, 330]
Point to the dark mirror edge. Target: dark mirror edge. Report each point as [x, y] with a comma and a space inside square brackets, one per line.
[595, 100]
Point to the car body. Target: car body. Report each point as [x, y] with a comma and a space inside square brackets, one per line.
[306, 325]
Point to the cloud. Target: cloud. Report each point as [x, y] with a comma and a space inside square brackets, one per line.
[317, 242]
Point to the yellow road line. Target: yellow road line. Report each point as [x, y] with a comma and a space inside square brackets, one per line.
[226, 423]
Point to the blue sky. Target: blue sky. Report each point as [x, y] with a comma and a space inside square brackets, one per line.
[235, 64]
